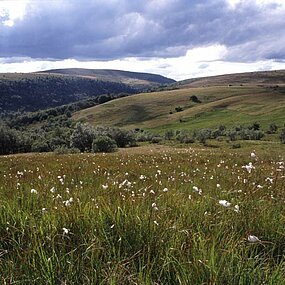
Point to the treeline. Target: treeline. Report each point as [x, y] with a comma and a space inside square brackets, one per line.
[233, 134]
[64, 136]
[21, 119]
[42, 92]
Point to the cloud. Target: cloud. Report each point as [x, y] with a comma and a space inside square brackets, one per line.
[105, 30]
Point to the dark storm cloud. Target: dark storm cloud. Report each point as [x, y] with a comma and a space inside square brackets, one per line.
[144, 28]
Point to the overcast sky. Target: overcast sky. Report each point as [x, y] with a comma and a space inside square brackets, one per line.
[176, 38]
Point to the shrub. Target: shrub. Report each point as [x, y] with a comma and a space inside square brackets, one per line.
[65, 150]
[169, 135]
[236, 145]
[272, 129]
[282, 136]
[104, 144]
[179, 109]
[195, 99]
[122, 137]
[156, 139]
[82, 137]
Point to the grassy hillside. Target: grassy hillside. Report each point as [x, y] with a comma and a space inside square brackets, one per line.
[248, 78]
[219, 105]
[134, 79]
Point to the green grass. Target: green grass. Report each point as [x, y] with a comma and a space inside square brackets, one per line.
[235, 105]
[133, 231]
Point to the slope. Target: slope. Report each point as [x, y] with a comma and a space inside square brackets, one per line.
[134, 79]
[35, 91]
[230, 105]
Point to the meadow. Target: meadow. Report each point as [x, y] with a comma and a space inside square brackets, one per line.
[226, 105]
[148, 215]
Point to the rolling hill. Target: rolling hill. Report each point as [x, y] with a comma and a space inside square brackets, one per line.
[42, 90]
[229, 100]
[135, 79]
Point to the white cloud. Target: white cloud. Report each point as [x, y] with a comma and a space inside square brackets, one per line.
[198, 62]
[12, 11]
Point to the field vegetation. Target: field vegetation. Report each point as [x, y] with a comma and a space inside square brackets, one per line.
[152, 215]
[157, 111]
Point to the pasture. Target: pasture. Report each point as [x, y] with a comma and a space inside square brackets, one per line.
[151, 215]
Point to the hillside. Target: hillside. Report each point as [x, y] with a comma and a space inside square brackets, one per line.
[35, 91]
[248, 78]
[228, 104]
[135, 79]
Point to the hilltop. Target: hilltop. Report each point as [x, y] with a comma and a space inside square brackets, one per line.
[227, 99]
[52, 88]
[247, 78]
[135, 79]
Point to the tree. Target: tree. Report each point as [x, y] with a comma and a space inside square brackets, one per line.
[104, 144]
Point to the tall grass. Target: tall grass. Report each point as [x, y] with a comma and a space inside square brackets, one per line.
[142, 218]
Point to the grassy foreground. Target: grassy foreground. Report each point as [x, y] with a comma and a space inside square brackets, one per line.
[155, 217]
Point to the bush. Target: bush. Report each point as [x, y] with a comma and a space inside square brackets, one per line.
[282, 136]
[156, 139]
[104, 144]
[169, 135]
[121, 137]
[179, 109]
[66, 150]
[236, 145]
[272, 129]
[82, 137]
[195, 99]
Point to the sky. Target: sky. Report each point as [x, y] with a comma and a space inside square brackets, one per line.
[179, 39]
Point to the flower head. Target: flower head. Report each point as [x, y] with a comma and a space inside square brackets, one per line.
[224, 203]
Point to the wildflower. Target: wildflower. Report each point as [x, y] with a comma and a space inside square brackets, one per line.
[165, 190]
[253, 155]
[155, 222]
[52, 190]
[224, 203]
[34, 191]
[253, 239]
[154, 206]
[218, 185]
[65, 231]
[196, 189]
[105, 186]
[249, 167]
[236, 208]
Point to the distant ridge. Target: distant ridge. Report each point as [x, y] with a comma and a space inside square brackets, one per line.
[246, 78]
[134, 79]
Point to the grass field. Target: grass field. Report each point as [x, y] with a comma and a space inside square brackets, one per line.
[151, 215]
[228, 105]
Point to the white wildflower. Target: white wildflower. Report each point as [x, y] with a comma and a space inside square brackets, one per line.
[249, 167]
[253, 239]
[253, 155]
[236, 208]
[224, 203]
[65, 231]
[154, 206]
[34, 191]
[196, 189]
